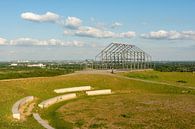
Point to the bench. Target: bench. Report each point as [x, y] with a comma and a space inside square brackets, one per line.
[56, 99]
[99, 92]
[72, 89]
[15, 109]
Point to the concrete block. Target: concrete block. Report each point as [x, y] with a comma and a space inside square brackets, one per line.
[56, 99]
[99, 92]
[72, 89]
[15, 109]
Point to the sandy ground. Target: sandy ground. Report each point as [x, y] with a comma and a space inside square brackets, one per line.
[26, 110]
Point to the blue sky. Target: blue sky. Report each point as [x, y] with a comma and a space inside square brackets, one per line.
[70, 29]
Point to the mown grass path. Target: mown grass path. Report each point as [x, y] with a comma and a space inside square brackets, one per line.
[106, 72]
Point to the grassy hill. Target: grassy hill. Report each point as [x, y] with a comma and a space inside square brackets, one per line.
[134, 104]
[176, 78]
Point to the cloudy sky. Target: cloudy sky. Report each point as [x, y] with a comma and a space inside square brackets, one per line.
[79, 29]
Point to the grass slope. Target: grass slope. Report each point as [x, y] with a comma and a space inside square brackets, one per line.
[129, 92]
[176, 78]
[133, 111]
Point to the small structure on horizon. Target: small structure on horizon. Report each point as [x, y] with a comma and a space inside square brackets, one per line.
[122, 56]
[13, 64]
[36, 65]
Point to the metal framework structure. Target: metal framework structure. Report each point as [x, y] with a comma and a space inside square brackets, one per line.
[122, 56]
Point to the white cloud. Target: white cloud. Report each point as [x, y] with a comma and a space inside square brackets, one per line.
[73, 22]
[69, 22]
[170, 35]
[47, 17]
[24, 41]
[92, 19]
[128, 34]
[74, 27]
[2, 41]
[116, 24]
[68, 32]
[92, 32]
[36, 42]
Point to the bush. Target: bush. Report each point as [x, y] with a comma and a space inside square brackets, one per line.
[182, 81]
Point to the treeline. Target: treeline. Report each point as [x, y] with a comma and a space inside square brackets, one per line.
[12, 72]
[174, 66]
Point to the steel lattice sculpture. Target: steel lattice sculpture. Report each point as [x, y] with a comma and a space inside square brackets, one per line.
[122, 56]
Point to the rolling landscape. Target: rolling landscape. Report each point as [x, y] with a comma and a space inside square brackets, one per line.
[162, 101]
[94, 64]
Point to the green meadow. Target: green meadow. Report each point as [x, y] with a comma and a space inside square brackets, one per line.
[176, 78]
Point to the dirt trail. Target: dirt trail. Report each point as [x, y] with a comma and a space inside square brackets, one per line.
[26, 110]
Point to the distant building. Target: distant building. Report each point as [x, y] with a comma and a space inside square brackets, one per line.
[13, 64]
[36, 65]
[23, 61]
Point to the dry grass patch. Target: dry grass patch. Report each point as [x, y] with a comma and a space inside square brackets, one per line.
[131, 111]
